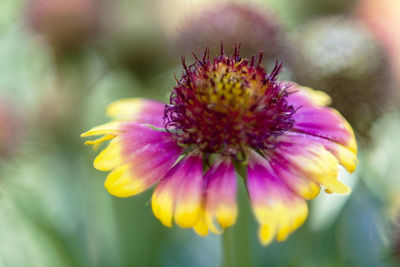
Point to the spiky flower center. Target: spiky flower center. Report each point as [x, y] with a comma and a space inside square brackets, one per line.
[226, 104]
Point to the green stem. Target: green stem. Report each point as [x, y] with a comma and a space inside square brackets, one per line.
[228, 248]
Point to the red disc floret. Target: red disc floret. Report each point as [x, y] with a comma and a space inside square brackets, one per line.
[228, 103]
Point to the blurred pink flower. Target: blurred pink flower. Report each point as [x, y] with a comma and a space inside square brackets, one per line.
[65, 24]
[383, 19]
[11, 127]
[254, 27]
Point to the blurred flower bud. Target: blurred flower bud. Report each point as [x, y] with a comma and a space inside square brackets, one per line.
[64, 24]
[339, 56]
[135, 41]
[253, 27]
[383, 19]
[10, 128]
[61, 104]
[171, 13]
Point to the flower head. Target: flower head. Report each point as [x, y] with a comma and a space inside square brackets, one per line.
[351, 67]
[11, 125]
[255, 27]
[225, 112]
[228, 103]
[380, 17]
[65, 25]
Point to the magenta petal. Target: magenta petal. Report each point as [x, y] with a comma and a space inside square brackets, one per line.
[142, 161]
[135, 136]
[298, 182]
[278, 210]
[306, 158]
[346, 157]
[179, 193]
[148, 150]
[152, 113]
[138, 156]
[304, 96]
[139, 110]
[323, 122]
[262, 183]
[221, 194]
[313, 118]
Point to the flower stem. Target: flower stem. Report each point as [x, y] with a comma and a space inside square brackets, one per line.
[228, 248]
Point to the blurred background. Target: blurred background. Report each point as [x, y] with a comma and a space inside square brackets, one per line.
[62, 62]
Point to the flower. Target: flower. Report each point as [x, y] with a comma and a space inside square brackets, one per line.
[224, 114]
[380, 17]
[11, 124]
[254, 27]
[65, 25]
[351, 67]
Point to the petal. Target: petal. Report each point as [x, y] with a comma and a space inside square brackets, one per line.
[127, 111]
[146, 167]
[179, 193]
[108, 131]
[135, 136]
[201, 227]
[309, 160]
[188, 200]
[121, 183]
[296, 181]
[137, 167]
[112, 128]
[313, 118]
[221, 194]
[138, 110]
[97, 142]
[346, 157]
[325, 123]
[277, 209]
[110, 157]
[301, 95]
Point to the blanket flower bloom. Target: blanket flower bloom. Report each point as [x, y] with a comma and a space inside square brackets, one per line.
[227, 113]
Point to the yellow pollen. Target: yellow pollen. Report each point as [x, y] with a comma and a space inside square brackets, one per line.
[225, 90]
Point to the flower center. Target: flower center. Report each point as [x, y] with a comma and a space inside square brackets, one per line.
[225, 104]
